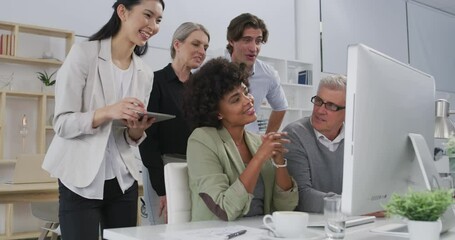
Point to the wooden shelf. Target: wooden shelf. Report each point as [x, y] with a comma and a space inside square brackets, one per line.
[44, 101]
[27, 94]
[16, 28]
[24, 235]
[31, 61]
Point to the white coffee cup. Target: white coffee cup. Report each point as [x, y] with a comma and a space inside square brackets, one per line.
[287, 224]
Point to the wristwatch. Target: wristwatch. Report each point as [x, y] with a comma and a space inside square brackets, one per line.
[280, 165]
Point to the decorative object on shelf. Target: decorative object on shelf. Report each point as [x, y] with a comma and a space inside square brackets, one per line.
[23, 131]
[450, 152]
[46, 79]
[305, 77]
[7, 46]
[423, 210]
[48, 55]
[51, 120]
[6, 81]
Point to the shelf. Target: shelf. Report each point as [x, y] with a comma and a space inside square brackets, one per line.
[7, 162]
[45, 31]
[297, 95]
[31, 61]
[25, 235]
[27, 45]
[27, 94]
[17, 29]
[297, 85]
[289, 109]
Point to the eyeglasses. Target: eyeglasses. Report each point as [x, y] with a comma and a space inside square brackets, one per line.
[316, 100]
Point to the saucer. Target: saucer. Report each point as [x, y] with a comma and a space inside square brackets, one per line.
[308, 235]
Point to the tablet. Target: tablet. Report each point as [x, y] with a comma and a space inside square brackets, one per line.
[160, 116]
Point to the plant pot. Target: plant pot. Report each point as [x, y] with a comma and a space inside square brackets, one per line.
[47, 89]
[424, 230]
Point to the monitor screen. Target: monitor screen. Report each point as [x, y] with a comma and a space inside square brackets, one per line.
[385, 101]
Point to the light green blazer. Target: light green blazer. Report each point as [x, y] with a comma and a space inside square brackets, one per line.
[214, 167]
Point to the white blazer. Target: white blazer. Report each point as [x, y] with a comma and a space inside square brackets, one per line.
[84, 84]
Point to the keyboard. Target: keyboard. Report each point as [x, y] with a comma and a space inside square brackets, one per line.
[350, 221]
[393, 229]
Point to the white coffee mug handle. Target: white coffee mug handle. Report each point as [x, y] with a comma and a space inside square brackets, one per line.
[267, 224]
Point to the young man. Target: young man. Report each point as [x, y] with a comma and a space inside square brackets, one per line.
[315, 157]
[245, 35]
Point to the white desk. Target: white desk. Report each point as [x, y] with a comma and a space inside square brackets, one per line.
[155, 232]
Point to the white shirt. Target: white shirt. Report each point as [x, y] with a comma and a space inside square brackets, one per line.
[331, 145]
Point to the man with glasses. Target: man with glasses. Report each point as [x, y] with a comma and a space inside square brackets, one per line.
[245, 35]
[315, 157]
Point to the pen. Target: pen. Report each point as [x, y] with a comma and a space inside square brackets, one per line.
[235, 234]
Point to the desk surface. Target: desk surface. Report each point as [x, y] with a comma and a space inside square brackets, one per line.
[159, 231]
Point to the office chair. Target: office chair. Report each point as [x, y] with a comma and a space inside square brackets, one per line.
[47, 211]
[177, 192]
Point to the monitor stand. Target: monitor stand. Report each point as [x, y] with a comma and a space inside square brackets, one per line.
[432, 181]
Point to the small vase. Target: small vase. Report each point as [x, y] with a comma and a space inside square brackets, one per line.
[47, 89]
[423, 230]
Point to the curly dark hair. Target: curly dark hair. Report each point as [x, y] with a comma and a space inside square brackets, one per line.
[206, 87]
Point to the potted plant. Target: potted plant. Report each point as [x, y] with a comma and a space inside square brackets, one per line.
[422, 209]
[46, 79]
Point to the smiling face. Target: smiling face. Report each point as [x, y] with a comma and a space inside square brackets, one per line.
[326, 121]
[141, 22]
[192, 51]
[247, 48]
[236, 108]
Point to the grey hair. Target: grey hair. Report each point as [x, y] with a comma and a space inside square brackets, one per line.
[183, 31]
[333, 82]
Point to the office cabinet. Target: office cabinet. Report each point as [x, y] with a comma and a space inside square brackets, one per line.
[296, 80]
[26, 112]
[30, 109]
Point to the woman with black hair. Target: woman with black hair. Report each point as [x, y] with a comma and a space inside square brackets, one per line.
[101, 93]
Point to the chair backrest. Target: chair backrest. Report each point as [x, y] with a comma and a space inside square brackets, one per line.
[177, 192]
[47, 211]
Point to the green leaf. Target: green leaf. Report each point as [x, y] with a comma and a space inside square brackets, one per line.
[45, 78]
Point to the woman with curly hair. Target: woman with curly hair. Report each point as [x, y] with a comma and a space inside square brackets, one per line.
[233, 173]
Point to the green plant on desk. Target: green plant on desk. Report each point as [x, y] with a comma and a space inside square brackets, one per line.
[420, 206]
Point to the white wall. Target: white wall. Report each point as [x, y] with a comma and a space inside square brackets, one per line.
[85, 17]
[431, 44]
[380, 24]
[82, 16]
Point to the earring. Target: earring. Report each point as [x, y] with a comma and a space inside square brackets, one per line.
[219, 117]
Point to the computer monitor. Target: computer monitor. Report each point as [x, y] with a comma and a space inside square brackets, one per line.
[385, 101]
